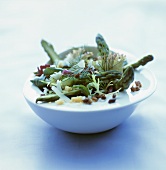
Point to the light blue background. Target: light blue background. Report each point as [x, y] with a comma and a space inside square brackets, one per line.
[26, 142]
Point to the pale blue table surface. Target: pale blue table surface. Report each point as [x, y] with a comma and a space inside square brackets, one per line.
[28, 143]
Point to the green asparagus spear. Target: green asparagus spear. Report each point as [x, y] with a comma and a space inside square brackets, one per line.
[110, 59]
[70, 81]
[141, 62]
[54, 97]
[103, 51]
[47, 98]
[102, 46]
[49, 49]
[126, 79]
[108, 75]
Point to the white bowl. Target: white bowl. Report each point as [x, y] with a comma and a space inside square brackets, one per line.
[98, 117]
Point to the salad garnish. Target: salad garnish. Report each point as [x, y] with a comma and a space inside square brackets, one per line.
[84, 76]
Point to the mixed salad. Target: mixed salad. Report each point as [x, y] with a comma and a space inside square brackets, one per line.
[86, 77]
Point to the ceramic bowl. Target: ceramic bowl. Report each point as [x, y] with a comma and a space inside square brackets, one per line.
[98, 117]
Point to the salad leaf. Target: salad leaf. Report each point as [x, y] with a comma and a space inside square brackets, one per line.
[50, 70]
[39, 82]
[116, 62]
[84, 90]
[78, 67]
[94, 84]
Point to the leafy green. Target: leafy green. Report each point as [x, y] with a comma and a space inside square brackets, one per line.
[95, 84]
[39, 82]
[50, 70]
[84, 90]
[115, 62]
[77, 68]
